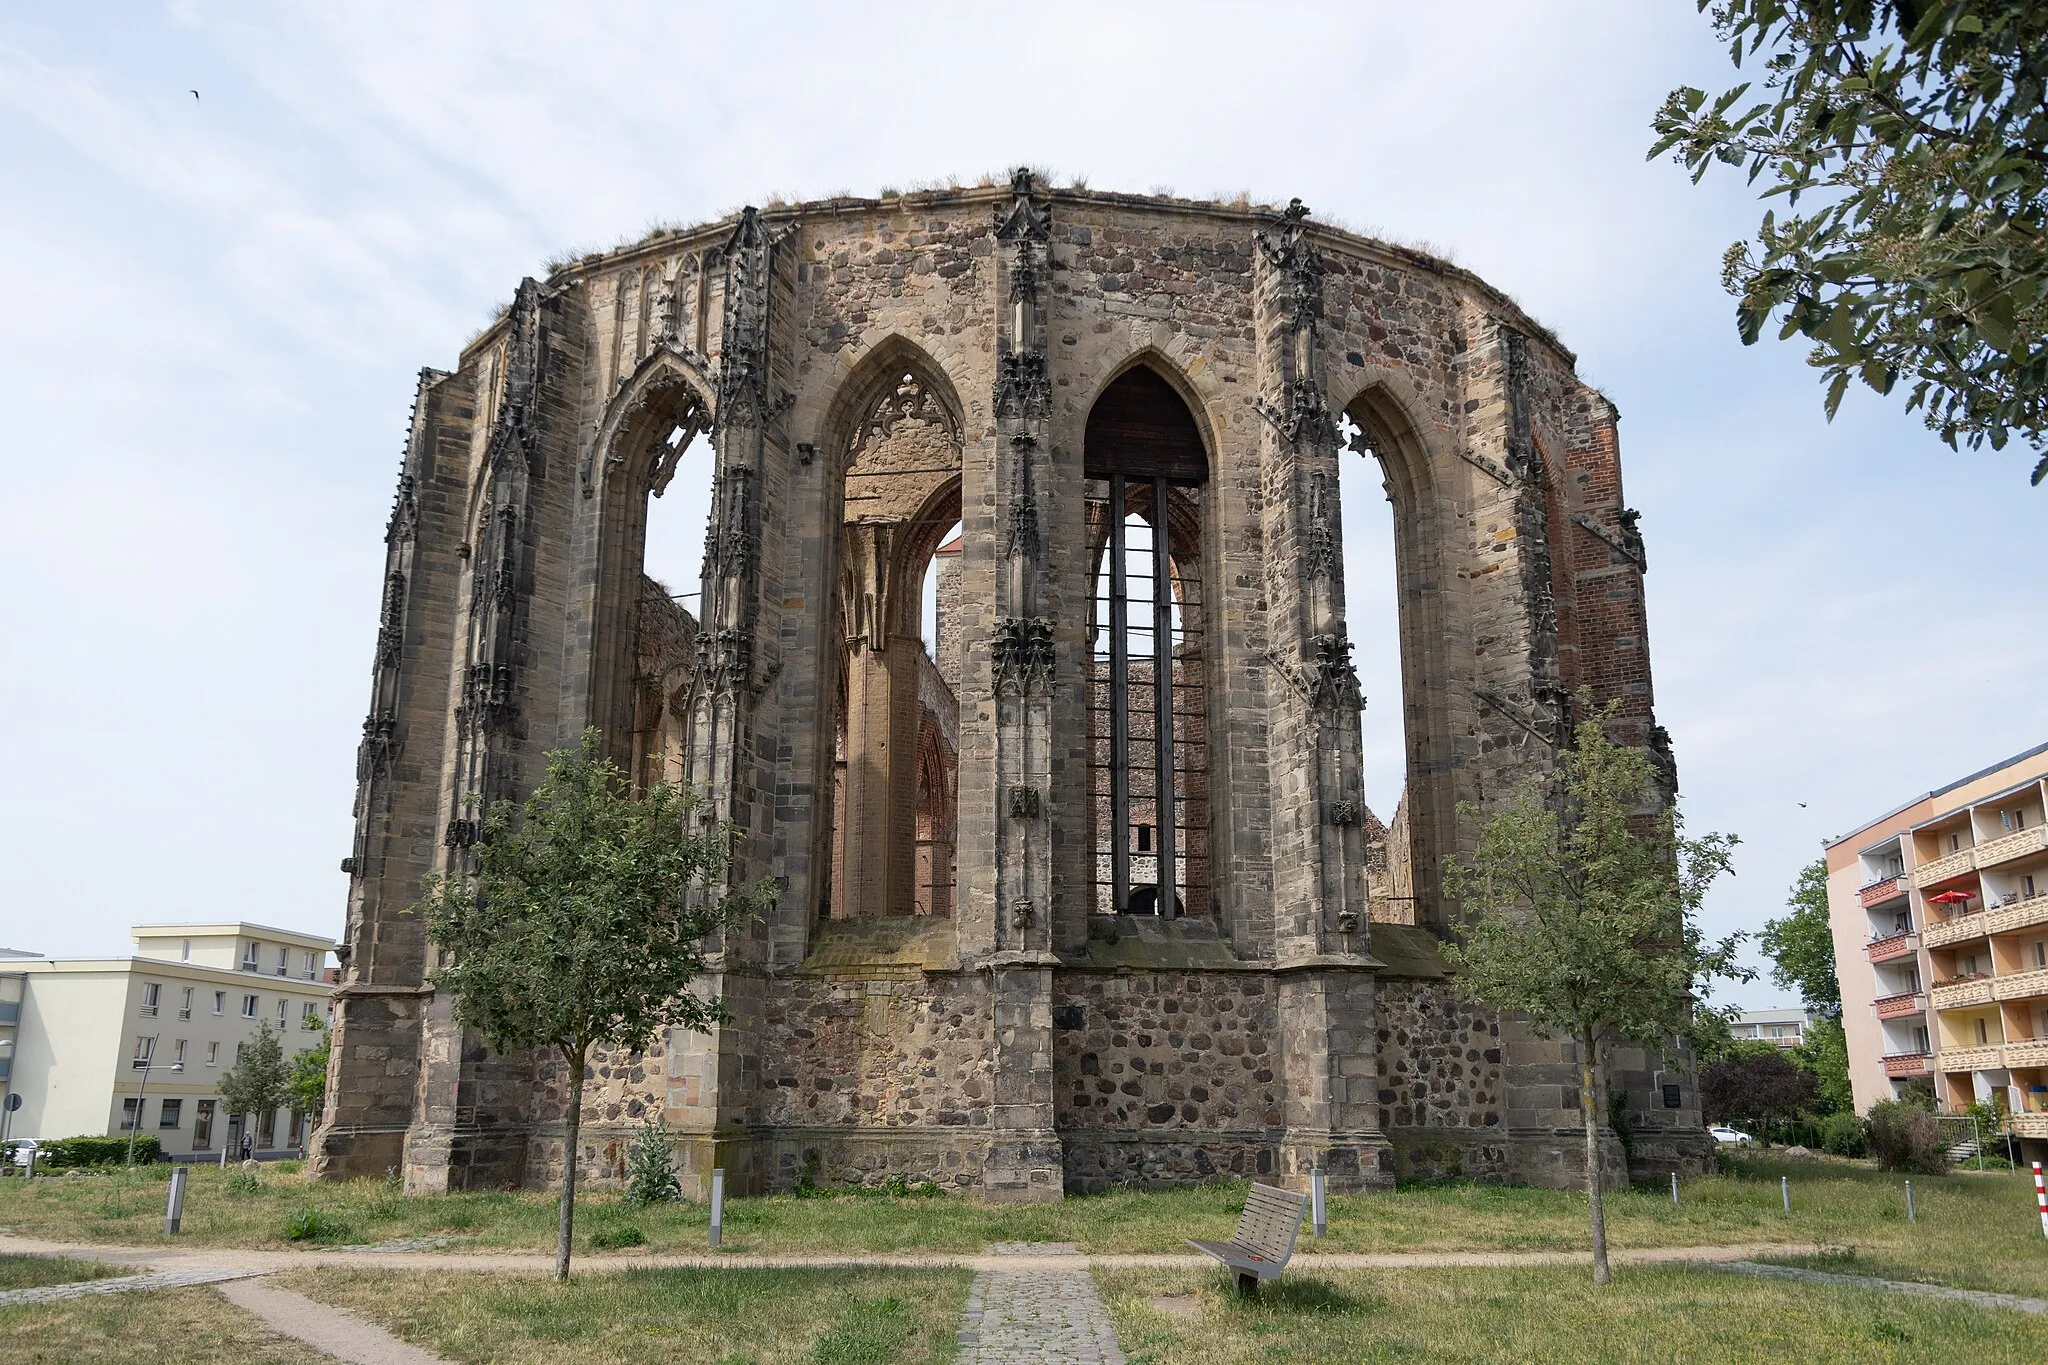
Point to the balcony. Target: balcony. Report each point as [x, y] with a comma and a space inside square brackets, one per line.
[1906, 1064]
[1941, 869]
[1970, 1058]
[1954, 930]
[2017, 914]
[2021, 985]
[1899, 1006]
[1877, 893]
[2030, 1125]
[1954, 994]
[2027, 1052]
[1898, 945]
[2011, 846]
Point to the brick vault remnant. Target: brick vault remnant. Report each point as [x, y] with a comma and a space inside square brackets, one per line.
[1079, 894]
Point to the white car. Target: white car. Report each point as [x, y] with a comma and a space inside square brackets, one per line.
[24, 1148]
[1730, 1137]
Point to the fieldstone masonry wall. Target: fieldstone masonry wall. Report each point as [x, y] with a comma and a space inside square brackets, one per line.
[1017, 1043]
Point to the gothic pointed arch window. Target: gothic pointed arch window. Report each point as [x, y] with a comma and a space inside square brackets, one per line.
[1147, 470]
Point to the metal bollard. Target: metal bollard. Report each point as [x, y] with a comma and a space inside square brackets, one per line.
[1321, 1211]
[1785, 1190]
[1909, 1201]
[1674, 1189]
[2041, 1198]
[717, 1205]
[174, 1210]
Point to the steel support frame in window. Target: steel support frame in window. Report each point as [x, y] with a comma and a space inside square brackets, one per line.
[1165, 819]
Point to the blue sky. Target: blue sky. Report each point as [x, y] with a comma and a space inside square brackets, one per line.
[216, 307]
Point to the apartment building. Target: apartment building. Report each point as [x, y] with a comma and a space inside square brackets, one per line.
[1783, 1028]
[1940, 917]
[100, 1045]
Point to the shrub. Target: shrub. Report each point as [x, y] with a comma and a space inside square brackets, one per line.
[611, 1239]
[77, 1152]
[243, 1182]
[652, 1179]
[1844, 1135]
[1905, 1137]
[311, 1225]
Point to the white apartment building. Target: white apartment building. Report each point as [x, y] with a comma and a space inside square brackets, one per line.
[101, 1044]
[1782, 1028]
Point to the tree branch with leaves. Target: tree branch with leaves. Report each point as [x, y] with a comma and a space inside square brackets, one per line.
[1581, 905]
[583, 922]
[1915, 134]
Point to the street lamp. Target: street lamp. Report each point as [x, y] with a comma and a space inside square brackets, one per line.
[144, 1065]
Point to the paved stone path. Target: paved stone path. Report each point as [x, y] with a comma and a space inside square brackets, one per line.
[1981, 1298]
[1031, 1316]
[340, 1334]
[122, 1284]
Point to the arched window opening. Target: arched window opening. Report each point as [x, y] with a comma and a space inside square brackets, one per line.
[1372, 619]
[1148, 700]
[679, 513]
[897, 731]
[674, 507]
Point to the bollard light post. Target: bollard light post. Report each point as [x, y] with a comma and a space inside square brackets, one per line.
[1909, 1201]
[717, 1205]
[174, 1210]
[1321, 1211]
[1674, 1189]
[1785, 1191]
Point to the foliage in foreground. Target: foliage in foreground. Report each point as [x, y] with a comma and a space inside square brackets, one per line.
[651, 1177]
[259, 1082]
[1583, 916]
[1905, 1137]
[582, 923]
[1914, 135]
[96, 1149]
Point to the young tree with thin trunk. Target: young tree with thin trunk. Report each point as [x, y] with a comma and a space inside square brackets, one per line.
[582, 923]
[1582, 904]
[258, 1083]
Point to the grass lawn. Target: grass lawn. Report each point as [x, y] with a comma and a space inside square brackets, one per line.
[675, 1317]
[1977, 1231]
[1649, 1314]
[33, 1272]
[167, 1327]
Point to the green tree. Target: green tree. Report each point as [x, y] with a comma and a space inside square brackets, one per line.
[1582, 916]
[1909, 141]
[306, 1074]
[1801, 946]
[258, 1082]
[1825, 1053]
[582, 923]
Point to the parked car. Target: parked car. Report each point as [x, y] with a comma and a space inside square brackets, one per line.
[1730, 1137]
[24, 1148]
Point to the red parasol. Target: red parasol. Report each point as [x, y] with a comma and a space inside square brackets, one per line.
[1950, 897]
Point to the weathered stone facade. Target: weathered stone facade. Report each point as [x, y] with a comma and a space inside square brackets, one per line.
[944, 990]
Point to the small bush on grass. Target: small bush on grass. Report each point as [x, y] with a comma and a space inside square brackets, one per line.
[243, 1182]
[653, 1175]
[1844, 1135]
[1905, 1137]
[311, 1225]
[612, 1239]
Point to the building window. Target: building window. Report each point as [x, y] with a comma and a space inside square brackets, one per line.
[220, 1002]
[179, 1054]
[186, 955]
[145, 1048]
[249, 964]
[171, 1114]
[202, 1125]
[298, 1129]
[213, 1054]
[282, 1005]
[266, 1129]
[2027, 885]
[1920, 1038]
[239, 1049]
[185, 1004]
[150, 991]
[1955, 843]
[283, 961]
[248, 1007]
[1982, 1036]
[128, 1106]
[307, 1011]
[2041, 952]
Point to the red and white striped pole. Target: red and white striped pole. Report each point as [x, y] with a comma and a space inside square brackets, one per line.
[2041, 1198]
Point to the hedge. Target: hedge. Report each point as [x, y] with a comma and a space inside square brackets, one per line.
[96, 1151]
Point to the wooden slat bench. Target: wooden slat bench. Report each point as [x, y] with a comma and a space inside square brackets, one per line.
[1264, 1241]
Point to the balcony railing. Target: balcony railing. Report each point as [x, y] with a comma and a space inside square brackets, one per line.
[1970, 1058]
[1941, 869]
[2008, 847]
[1896, 945]
[1957, 992]
[2021, 913]
[1877, 893]
[2030, 1125]
[2027, 1052]
[2021, 985]
[1954, 930]
[1896, 1006]
[1906, 1064]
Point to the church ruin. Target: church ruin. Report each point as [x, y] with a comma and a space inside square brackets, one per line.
[1084, 890]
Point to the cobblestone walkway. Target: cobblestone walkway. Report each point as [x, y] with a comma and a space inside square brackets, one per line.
[122, 1284]
[1037, 1317]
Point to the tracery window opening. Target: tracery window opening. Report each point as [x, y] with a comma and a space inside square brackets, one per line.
[1147, 709]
